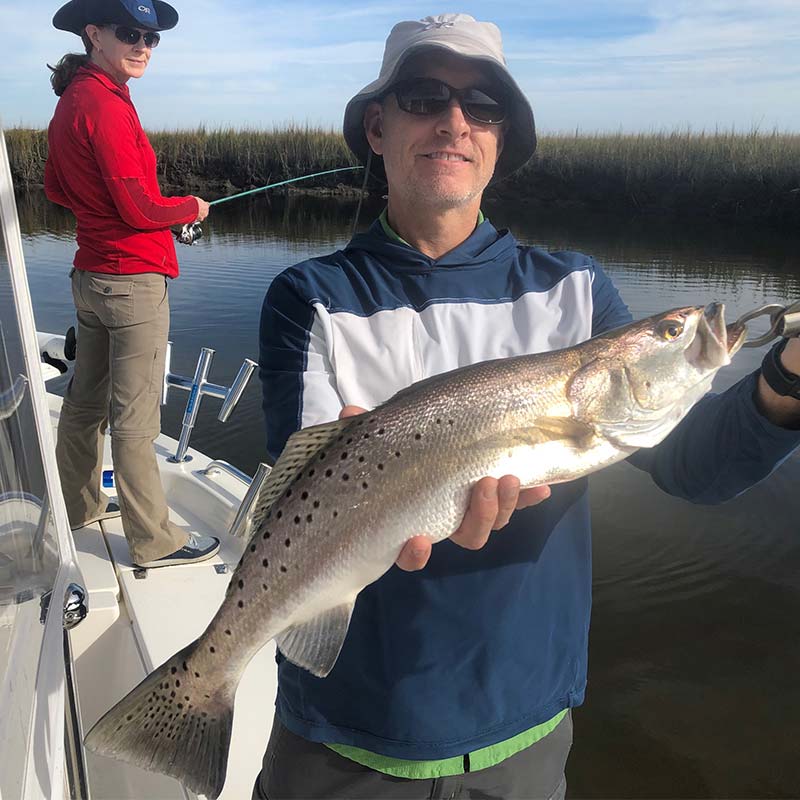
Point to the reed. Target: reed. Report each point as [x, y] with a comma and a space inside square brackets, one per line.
[725, 174]
[248, 158]
[750, 175]
[27, 152]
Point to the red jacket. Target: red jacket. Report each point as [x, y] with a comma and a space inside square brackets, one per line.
[102, 167]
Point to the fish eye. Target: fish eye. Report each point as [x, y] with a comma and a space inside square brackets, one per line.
[669, 329]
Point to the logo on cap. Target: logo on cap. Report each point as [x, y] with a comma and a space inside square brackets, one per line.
[439, 24]
[144, 9]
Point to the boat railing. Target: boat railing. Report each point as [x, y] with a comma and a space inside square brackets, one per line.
[75, 758]
[217, 466]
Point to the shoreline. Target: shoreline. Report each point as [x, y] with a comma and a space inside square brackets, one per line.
[748, 178]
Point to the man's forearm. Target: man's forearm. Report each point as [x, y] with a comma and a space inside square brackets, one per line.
[780, 410]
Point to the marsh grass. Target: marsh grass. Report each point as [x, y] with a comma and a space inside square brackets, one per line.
[27, 152]
[245, 159]
[744, 176]
[750, 175]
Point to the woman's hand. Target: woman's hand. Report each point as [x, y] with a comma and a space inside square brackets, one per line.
[491, 504]
[202, 209]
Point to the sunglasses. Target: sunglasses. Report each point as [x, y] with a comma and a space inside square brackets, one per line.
[428, 97]
[132, 36]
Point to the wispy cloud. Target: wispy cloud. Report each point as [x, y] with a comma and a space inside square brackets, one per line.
[589, 64]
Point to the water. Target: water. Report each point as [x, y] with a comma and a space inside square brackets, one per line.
[695, 640]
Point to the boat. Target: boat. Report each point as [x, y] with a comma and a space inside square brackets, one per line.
[80, 625]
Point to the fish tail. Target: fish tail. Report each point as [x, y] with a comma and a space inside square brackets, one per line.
[173, 722]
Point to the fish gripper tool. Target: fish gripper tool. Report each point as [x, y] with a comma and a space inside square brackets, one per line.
[784, 322]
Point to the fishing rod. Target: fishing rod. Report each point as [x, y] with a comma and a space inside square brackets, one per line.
[192, 231]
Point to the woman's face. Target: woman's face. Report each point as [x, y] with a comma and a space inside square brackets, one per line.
[121, 60]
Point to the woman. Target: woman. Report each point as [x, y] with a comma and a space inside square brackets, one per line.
[102, 167]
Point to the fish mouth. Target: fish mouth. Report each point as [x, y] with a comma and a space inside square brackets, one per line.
[715, 343]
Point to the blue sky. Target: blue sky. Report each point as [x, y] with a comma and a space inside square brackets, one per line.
[590, 65]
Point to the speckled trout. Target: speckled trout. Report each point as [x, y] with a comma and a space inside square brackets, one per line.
[345, 496]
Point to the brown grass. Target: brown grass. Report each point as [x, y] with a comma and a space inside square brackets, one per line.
[722, 174]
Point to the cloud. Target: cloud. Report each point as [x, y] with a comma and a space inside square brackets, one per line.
[703, 64]
[587, 64]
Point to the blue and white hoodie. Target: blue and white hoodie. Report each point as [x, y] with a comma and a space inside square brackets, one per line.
[479, 645]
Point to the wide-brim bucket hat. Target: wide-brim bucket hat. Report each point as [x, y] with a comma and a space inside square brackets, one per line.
[153, 15]
[464, 36]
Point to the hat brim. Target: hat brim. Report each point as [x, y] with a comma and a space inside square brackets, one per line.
[77, 14]
[519, 141]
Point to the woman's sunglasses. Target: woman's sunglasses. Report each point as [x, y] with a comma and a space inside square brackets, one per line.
[427, 97]
[132, 36]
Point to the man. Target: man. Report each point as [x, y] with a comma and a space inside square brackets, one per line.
[456, 680]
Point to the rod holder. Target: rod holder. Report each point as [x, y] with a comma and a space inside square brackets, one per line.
[237, 389]
[199, 386]
[243, 521]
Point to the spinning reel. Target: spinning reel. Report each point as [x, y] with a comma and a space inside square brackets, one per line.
[189, 233]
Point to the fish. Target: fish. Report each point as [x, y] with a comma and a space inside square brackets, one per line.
[345, 496]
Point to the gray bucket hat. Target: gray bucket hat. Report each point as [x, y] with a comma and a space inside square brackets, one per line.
[463, 36]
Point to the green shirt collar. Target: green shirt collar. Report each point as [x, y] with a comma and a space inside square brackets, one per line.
[387, 229]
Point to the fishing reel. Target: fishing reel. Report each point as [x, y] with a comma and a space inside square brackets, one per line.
[189, 233]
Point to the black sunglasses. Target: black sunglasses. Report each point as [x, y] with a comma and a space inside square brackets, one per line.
[428, 96]
[131, 36]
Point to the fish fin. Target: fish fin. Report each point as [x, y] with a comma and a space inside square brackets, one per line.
[563, 428]
[315, 645]
[543, 430]
[299, 448]
[149, 729]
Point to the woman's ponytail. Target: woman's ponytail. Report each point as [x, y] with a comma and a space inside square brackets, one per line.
[64, 71]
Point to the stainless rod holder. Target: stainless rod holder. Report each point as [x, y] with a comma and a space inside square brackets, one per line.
[165, 384]
[243, 520]
[193, 405]
[198, 386]
[237, 389]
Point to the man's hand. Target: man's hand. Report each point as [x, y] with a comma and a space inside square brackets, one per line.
[491, 504]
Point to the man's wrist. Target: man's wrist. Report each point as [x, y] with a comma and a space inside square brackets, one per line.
[777, 373]
[790, 357]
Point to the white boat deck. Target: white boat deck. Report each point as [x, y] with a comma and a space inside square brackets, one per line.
[137, 619]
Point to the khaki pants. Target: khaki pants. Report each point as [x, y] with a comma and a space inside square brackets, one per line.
[123, 323]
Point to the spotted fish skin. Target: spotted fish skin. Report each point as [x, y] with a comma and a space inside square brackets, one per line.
[345, 497]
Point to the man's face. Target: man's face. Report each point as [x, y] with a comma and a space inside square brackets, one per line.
[441, 161]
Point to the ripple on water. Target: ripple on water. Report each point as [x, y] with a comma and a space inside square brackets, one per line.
[654, 549]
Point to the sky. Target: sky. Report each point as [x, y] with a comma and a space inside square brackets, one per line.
[586, 65]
